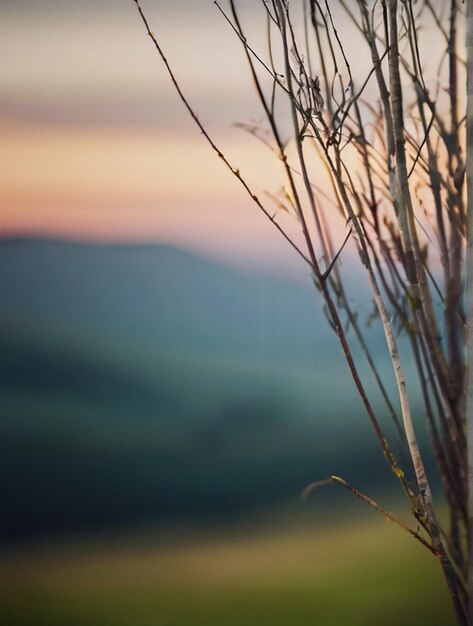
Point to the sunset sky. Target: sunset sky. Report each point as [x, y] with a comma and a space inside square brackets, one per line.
[96, 144]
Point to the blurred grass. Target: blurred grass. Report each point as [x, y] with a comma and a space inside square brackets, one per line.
[354, 573]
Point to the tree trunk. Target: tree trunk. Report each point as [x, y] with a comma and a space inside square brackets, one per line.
[469, 176]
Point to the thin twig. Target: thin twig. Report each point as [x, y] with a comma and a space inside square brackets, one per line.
[235, 171]
[370, 502]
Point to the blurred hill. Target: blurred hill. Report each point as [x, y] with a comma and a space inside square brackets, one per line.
[144, 383]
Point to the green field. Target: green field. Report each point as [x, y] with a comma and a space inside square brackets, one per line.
[280, 574]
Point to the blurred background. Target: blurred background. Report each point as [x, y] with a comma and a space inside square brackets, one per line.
[169, 383]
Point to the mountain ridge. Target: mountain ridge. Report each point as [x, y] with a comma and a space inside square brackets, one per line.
[144, 383]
